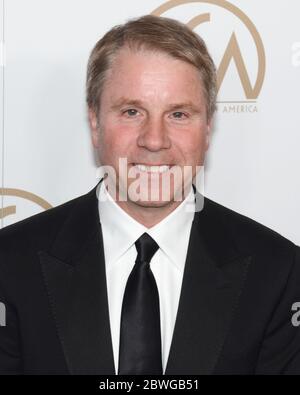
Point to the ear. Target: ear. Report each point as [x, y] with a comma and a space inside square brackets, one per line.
[208, 133]
[93, 122]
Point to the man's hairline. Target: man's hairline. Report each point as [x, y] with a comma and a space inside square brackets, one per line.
[139, 49]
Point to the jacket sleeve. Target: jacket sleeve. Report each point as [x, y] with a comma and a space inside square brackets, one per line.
[280, 350]
[10, 355]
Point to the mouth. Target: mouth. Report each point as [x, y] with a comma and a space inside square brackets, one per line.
[152, 168]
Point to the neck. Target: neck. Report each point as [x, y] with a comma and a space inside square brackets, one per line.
[145, 213]
[148, 215]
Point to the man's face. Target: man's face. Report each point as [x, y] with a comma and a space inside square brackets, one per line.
[152, 112]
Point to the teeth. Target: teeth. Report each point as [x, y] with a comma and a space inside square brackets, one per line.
[153, 169]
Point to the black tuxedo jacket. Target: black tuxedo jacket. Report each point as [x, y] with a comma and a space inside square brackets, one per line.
[234, 316]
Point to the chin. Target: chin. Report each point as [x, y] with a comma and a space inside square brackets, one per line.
[158, 200]
[153, 204]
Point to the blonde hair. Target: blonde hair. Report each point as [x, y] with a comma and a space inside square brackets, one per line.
[150, 32]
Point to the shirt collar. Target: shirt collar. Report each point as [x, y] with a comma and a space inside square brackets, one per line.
[120, 230]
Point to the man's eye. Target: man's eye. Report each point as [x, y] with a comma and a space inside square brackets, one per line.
[179, 115]
[131, 112]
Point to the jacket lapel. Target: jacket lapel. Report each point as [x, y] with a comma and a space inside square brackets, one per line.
[212, 283]
[75, 279]
[74, 274]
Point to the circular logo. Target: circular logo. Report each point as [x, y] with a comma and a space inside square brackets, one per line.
[10, 210]
[232, 51]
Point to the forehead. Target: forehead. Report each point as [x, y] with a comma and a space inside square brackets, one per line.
[148, 60]
[147, 71]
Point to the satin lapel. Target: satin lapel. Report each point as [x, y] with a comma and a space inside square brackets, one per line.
[74, 274]
[213, 280]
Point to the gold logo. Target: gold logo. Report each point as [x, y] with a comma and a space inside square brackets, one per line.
[10, 210]
[233, 50]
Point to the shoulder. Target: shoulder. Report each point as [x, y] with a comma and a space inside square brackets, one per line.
[248, 235]
[38, 230]
[231, 237]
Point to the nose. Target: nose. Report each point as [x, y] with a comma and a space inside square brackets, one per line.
[154, 135]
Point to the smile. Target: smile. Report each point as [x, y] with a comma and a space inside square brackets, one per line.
[152, 169]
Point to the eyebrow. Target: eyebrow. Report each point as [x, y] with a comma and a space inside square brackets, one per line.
[188, 105]
[124, 100]
[138, 103]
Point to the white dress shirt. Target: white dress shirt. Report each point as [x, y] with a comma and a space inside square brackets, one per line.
[120, 231]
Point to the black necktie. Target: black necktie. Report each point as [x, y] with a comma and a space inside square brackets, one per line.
[140, 338]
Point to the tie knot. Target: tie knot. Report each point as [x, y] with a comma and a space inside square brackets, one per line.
[146, 247]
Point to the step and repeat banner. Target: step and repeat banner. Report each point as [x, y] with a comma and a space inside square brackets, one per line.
[254, 159]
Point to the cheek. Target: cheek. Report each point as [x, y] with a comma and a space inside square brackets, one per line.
[116, 141]
[191, 143]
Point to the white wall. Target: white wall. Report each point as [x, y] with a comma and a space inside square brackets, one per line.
[1, 98]
[254, 158]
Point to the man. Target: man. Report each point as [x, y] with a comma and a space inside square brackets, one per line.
[124, 281]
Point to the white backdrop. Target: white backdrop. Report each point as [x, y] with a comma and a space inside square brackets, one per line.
[46, 154]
